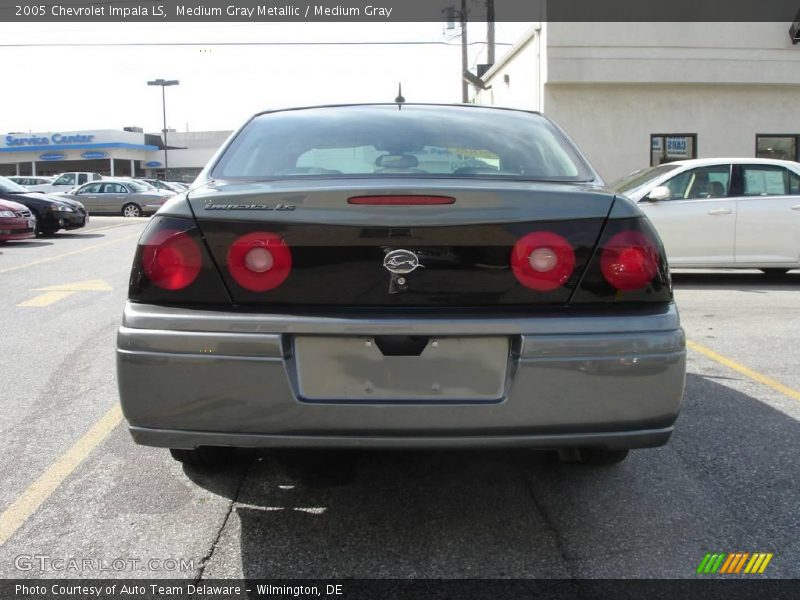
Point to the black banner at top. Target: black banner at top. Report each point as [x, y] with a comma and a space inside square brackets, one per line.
[198, 11]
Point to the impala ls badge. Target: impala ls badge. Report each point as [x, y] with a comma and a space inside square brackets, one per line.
[401, 262]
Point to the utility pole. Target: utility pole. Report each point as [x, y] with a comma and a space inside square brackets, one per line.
[490, 32]
[464, 55]
[164, 83]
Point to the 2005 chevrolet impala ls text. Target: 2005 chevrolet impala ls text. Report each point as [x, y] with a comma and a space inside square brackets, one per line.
[400, 275]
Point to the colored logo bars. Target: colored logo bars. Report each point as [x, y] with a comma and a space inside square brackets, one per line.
[732, 564]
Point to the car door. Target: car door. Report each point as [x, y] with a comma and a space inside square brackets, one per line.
[698, 222]
[767, 215]
[117, 196]
[89, 196]
[64, 183]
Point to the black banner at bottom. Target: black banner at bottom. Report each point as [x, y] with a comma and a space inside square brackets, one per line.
[380, 589]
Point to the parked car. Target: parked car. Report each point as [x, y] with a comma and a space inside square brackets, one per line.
[52, 212]
[723, 212]
[182, 187]
[329, 281]
[126, 197]
[66, 181]
[29, 180]
[16, 222]
[164, 185]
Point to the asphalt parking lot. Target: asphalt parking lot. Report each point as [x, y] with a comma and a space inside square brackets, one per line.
[76, 487]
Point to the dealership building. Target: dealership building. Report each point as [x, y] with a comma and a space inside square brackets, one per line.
[638, 94]
[124, 152]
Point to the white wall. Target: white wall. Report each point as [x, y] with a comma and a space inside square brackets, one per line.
[521, 67]
[756, 53]
[612, 123]
[611, 85]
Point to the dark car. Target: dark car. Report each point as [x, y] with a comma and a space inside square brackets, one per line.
[400, 276]
[52, 212]
[16, 222]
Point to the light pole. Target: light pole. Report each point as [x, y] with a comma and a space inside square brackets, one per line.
[164, 83]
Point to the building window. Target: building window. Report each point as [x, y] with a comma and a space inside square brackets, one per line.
[669, 147]
[783, 147]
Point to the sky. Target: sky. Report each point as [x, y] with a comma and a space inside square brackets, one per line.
[58, 88]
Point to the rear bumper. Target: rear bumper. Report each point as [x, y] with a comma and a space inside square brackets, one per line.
[192, 377]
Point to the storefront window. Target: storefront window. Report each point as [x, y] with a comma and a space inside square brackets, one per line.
[669, 147]
[782, 147]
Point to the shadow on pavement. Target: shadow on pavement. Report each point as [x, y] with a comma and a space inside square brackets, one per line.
[23, 243]
[727, 481]
[735, 280]
[70, 236]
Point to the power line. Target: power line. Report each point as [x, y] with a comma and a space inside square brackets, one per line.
[140, 44]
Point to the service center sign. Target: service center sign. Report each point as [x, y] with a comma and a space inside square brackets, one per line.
[57, 139]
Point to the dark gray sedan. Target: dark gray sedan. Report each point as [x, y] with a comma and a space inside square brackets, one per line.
[400, 276]
[125, 197]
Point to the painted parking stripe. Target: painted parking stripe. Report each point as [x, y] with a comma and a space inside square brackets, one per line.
[54, 293]
[66, 254]
[754, 375]
[46, 299]
[40, 490]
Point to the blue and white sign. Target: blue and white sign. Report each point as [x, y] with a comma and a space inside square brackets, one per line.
[52, 156]
[656, 144]
[678, 146]
[89, 155]
[55, 139]
[152, 163]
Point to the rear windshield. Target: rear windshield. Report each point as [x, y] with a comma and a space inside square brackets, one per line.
[384, 141]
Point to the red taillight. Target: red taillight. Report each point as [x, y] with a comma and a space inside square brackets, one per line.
[259, 261]
[171, 259]
[400, 200]
[629, 260]
[542, 260]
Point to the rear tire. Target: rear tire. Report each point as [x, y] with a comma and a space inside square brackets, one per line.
[774, 272]
[593, 456]
[203, 457]
[131, 210]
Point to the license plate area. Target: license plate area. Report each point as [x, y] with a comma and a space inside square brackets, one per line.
[397, 370]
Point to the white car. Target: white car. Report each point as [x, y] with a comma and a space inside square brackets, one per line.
[723, 212]
[30, 180]
[66, 182]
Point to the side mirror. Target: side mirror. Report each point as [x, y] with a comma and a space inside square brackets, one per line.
[659, 193]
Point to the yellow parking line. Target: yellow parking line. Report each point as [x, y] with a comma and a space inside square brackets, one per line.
[40, 490]
[72, 253]
[754, 375]
[46, 299]
[90, 230]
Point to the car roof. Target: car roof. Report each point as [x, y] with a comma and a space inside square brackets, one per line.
[700, 162]
[399, 105]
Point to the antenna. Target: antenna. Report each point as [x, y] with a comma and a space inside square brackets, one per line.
[399, 98]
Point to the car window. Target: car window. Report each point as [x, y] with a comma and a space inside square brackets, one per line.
[90, 189]
[113, 188]
[82, 178]
[702, 182]
[68, 179]
[96, 176]
[638, 179]
[138, 186]
[382, 141]
[765, 180]
[794, 183]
